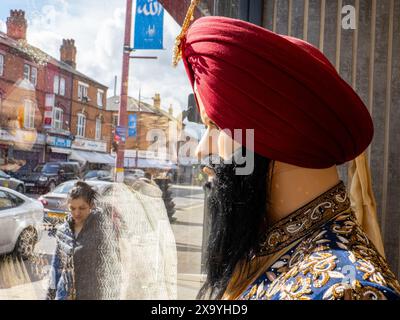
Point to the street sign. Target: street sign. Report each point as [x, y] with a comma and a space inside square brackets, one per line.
[121, 132]
[149, 25]
[132, 121]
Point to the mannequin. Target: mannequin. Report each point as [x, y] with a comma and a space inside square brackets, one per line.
[282, 231]
[293, 187]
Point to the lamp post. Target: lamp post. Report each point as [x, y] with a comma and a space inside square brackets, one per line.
[122, 118]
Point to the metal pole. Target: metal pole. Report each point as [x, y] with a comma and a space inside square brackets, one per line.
[115, 86]
[137, 131]
[122, 117]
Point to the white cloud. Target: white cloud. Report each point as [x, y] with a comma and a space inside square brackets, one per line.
[3, 26]
[98, 30]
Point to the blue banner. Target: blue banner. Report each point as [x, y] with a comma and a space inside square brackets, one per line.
[132, 120]
[149, 25]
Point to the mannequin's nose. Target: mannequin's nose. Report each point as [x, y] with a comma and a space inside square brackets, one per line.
[208, 144]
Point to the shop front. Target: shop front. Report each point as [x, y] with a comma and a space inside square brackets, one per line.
[21, 148]
[58, 148]
[91, 154]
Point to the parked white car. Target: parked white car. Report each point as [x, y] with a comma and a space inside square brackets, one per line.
[21, 219]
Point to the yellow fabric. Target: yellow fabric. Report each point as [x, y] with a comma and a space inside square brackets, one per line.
[363, 200]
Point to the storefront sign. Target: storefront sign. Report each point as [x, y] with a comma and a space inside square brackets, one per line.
[149, 154]
[58, 142]
[90, 145]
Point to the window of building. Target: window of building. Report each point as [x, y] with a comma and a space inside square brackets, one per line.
[100, 96]
[34, 75]
[2, 116]
[59, 85]
[115, 120]
[30, 73]
[29, 114]
[56, 84]
[58, 118]
[81, 126]
[82, 91]
[62, 86]
[27, 72]
[1, 64]
[98, 129]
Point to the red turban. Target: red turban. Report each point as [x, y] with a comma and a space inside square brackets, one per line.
[302, 112]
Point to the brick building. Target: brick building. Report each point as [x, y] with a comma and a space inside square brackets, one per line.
[148, 140]
[22, 91]
[48, 109]
[90, 121]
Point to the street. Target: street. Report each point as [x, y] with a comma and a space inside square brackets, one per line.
[187, 226]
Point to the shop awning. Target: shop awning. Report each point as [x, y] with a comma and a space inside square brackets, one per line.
[92, 157]
[61, 150]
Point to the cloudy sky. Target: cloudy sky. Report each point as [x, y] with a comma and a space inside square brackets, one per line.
[98, 29]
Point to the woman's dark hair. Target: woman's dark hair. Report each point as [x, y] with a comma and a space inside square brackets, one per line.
[237, 206]
[84, 191]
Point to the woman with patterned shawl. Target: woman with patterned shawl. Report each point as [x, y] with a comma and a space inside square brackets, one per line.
[86, 264]
[116, 246]
[288, 229]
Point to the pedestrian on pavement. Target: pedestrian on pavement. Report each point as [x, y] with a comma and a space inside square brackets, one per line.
[85, 265]
[283, 226]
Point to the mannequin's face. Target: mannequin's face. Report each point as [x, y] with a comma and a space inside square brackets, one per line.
[236, 202]
[214, 140]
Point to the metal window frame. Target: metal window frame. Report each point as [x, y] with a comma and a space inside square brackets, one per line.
[56, 85]
[98, 130]
[60, 120]
[29, 114]
[2, 58]
[81, 124]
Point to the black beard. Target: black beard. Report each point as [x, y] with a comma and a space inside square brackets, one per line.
[237, 208]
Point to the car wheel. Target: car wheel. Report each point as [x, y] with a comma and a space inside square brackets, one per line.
[52, 186]
[26, 243]
[20, 189]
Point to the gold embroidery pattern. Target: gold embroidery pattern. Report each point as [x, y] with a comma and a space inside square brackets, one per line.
[312, 265]
[362, 252]
[316, 269]
[354, 291]
[306, 219]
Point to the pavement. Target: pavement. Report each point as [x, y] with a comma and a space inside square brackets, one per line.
[187, 227]
[188, 231]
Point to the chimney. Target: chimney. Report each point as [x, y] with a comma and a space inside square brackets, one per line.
[17, 25]
[68, 52]
[157, 101]
[171, 110]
